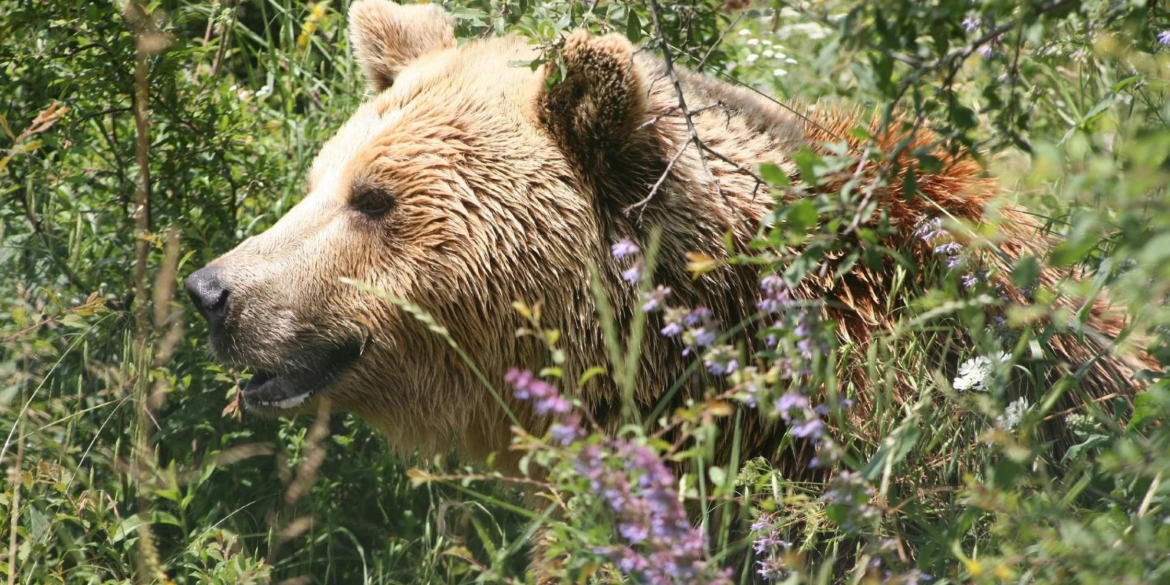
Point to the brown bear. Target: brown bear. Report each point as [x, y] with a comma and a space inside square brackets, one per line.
[466, 183]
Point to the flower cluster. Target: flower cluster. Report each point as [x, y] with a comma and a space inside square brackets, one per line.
[764, 50]
[796, 340]
[544, 396]
[624, 248]
[978, 372]
[655, 299]
[1082, 424]
[931, 232]
[770, 548]
[699, 331]
[696, 327]
[659, 545]
[1013, 414]
[848, 501]
[776, 294]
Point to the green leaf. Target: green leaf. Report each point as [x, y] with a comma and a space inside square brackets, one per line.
[717, 475]
[1026, 272]
[895, 448]
[1074, 250]
[773, 174]
[633, 27]
[589, 374]
[801, 215]
[1079, 450]
[909, 183]
[1144, 406]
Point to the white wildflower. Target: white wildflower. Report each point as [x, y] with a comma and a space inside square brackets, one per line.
[753, 42]
[790, 60]
[1013, 414]
[743, 32]
[768, 54]
[973, 374]
[731, 65]
[263, 92]
[819, 32]
[811, 30]
[976, 373]
[1081, 423]
[751, 58]
[779, 72]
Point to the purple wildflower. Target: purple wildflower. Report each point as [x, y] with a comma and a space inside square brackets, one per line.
[772, 569]
[789, 402]
[630, 562]
[544, 396]
[770, 548]
[971, 23]
[1164, 37]
[776, 294]
[624, 247]
[566, 431]
[654, 299]
[749, 387]
[930, 229]
[704, 336]
[810, 428]
[987, 50]
[849, 493]
[674, 318]
[972, 279]
[948, 248]
[634, 532]
[633, 274]
[697, 315]
[721, 361]
[660, 545]
[772, 340]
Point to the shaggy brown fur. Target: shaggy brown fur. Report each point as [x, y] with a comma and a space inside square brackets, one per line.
[464, 185]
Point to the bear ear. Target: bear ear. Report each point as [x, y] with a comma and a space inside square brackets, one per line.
[596, 109]
[386, 37]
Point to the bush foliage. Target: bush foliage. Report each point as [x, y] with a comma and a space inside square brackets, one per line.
[138, 141]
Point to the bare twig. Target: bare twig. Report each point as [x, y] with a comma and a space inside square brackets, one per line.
[671, 113]
[658, 184]
[719, 41]
[687, 114]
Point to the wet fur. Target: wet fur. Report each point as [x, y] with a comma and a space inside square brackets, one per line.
[504, 190]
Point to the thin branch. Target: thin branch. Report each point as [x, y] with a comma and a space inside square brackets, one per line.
[658, 184]
[670, 113]
[719, 41]
[668, 63]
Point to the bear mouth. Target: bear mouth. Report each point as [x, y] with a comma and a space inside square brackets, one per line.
[286, 390]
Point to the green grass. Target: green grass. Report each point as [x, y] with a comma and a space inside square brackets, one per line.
[127, 462]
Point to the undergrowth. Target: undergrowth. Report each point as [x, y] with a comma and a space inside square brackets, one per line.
[128, 459]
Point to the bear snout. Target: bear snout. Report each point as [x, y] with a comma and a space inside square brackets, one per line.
[209, 294]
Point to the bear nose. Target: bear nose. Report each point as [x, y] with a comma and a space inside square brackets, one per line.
[208, 294]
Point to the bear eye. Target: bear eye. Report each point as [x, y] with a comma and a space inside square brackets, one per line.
[371, 201]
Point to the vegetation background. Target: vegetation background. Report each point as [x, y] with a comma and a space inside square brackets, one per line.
[139, 141]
